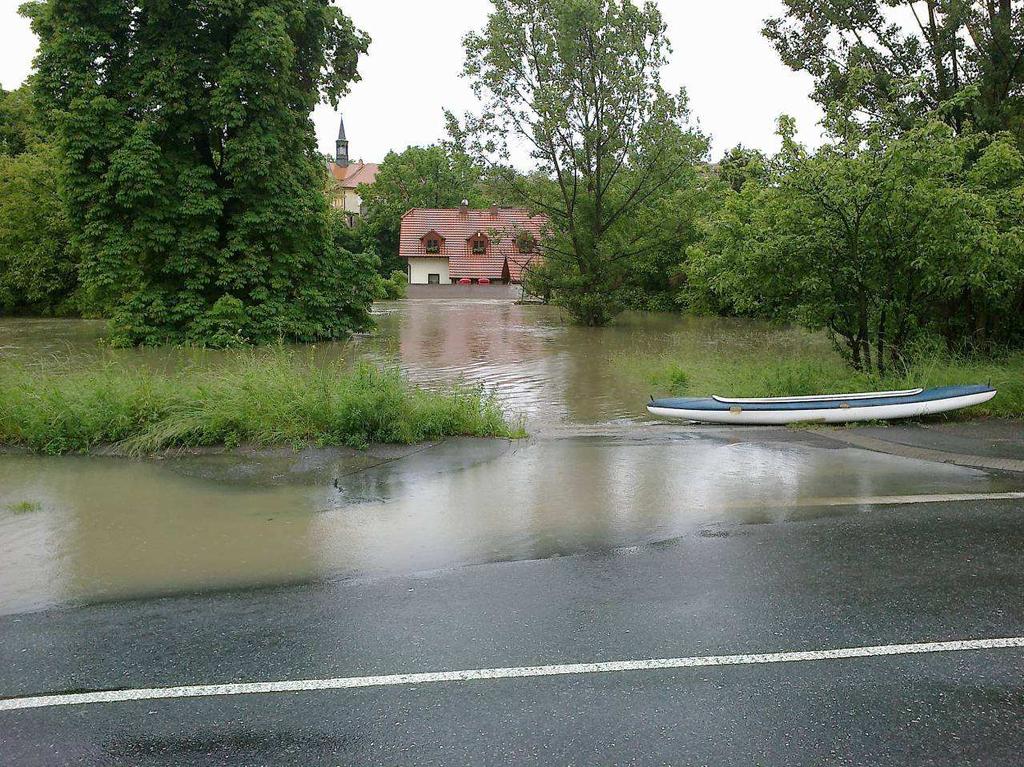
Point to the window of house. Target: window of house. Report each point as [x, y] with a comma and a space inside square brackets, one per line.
[479, 247]
[433, 245]
[433, 279]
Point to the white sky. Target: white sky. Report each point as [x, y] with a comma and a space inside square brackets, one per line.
[736, 83]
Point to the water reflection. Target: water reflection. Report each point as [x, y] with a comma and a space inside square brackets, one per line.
[109, 528]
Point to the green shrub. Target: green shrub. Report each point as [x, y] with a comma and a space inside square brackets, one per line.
[221, 325]
[392, 288]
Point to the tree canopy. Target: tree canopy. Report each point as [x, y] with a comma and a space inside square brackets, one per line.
[193, 184]
[901, 60]
[578, 82]
[37, 272]
[883, 240]
[907, 226]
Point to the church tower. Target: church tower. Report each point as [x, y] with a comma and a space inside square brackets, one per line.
[341, 145]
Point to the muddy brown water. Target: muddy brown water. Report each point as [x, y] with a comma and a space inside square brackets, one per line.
[595, 473]
[537, 364]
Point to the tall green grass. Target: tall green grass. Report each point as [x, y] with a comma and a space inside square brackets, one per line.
[816, 371]
[265, 399]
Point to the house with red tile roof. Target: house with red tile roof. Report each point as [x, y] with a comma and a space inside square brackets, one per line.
[446, 245]
[346, 176]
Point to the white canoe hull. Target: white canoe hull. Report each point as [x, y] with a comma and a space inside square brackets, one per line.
[740, 416]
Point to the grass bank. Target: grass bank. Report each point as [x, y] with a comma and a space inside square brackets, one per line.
[814, 369]
[264, 399]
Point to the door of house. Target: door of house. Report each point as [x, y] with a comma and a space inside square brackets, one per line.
[433, 279]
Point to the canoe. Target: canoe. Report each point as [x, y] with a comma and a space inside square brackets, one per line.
[824, 408]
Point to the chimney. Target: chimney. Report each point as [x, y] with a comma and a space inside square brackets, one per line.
[464, 207]
[494, 210]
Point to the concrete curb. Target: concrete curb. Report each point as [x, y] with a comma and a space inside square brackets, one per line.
[851, 437]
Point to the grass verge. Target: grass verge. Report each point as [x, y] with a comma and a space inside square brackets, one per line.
[816, 371]
[266, 399]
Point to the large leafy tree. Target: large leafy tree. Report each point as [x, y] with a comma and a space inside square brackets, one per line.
[193, 184]
[37, 272]
[419, 177]
[898, 60]
[577, 82]
[880, 239]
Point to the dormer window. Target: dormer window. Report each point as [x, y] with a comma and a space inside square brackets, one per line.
[432, 242]
[478, 244]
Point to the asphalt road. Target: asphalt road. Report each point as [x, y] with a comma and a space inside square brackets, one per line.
[845, 578]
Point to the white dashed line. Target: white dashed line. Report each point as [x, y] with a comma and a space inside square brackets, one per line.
[899, 500]
[346, 683]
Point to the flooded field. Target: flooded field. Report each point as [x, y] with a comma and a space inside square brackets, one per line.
[537, 364]
[76, 529]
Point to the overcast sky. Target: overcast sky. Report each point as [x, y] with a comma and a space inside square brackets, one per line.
[737, 85]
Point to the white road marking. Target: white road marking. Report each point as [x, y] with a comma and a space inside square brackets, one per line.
[346, 683]
[897, 500]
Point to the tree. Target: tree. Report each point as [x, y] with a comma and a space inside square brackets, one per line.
[578, 82]
[20, 126]
[418, 177]
[977, 279]
[37, 273]
[190, 167]
[740, 165]
[880, 239]
[899, 60]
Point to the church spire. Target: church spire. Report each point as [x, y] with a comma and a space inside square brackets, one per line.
[341, 145]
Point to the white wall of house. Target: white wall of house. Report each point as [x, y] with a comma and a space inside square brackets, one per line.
[420, 270]
[353, 203]
[347, 200]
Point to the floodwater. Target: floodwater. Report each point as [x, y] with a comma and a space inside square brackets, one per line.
[595, 474]
[538, 366]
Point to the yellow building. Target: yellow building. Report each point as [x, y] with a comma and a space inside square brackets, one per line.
[346, 176]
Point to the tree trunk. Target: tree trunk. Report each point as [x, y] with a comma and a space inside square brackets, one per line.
[863, 332]
[880, 346]
[855, 359]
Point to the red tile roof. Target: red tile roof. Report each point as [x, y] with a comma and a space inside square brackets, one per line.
[501, 227]
[355, 173]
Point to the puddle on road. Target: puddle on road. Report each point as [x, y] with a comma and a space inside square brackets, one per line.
[105, 528]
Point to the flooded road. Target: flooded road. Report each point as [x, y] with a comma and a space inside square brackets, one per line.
[80, 529]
